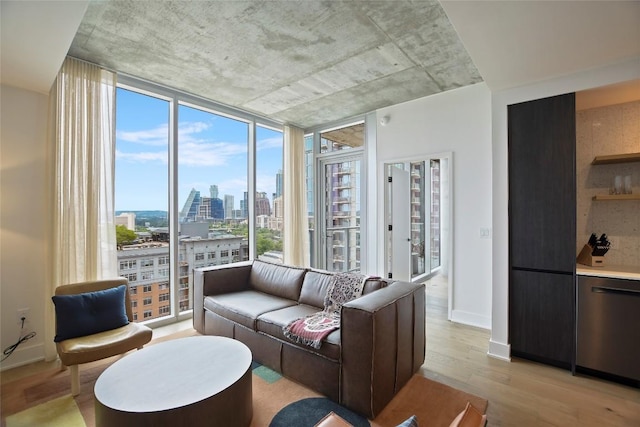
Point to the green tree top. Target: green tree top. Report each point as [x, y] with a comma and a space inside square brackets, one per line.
[124, 236]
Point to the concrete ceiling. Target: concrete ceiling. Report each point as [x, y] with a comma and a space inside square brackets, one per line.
[313, 62]
[302, 62]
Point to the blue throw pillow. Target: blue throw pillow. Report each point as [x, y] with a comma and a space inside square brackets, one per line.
[412, 421]
[89, 313]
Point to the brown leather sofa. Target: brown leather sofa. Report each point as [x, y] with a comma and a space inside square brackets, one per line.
[362, 365]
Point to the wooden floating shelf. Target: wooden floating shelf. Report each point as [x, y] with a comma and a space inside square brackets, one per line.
[616, 158]
[616, 197]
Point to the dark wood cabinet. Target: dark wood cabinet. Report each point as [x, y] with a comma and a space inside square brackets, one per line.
[541, 316]
[542, 184]
[542, 229]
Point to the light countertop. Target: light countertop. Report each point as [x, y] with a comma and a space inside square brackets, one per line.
[612, 271]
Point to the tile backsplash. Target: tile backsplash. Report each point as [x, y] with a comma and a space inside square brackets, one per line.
[603, 131]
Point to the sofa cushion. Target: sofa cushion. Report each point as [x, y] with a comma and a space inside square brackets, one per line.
[373, 285]
[279, 280]
[272, 322]
[315, 287]
[245, 307]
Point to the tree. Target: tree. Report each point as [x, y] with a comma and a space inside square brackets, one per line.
[263, 244]
[124, 236]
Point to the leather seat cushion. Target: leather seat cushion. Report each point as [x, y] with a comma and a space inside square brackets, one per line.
[245, 307]
[271, 323]
[104, 344]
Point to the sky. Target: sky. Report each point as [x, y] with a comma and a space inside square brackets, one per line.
[212, 150]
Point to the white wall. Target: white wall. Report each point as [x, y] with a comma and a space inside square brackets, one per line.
[628, 70]
[457, 121]
[24, 219]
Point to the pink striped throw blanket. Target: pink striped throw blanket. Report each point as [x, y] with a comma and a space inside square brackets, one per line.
[311, 330]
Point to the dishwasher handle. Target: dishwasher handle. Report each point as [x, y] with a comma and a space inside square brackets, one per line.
[617, 291]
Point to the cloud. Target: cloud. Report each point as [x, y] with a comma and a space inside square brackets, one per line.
[266, 143]
[158, 136]
[199, 153]
[143, 157]
[192, 151]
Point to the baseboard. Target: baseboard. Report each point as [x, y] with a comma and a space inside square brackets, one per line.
[498, 350]
[23, 356]
[470, 319]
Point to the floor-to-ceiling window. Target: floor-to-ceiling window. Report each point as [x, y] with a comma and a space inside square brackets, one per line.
[309, 158]
[269, 203]
[197, 184]
[212, 158]
[142, 200]
[335, 229]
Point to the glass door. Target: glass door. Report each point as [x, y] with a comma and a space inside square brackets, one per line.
[341, 212]
[419, 232]
[434, 236]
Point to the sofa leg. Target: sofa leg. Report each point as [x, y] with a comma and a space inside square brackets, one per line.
[75, 380]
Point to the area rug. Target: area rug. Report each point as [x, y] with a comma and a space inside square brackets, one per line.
[308, 412]
[271, 392]
[433, 403]
[60, 412]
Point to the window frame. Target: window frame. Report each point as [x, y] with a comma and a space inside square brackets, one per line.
[176, 98]
[319, 159]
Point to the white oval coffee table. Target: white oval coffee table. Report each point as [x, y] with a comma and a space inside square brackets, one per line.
[203, 380]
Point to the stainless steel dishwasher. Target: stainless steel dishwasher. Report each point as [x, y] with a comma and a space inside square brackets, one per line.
[608, 335]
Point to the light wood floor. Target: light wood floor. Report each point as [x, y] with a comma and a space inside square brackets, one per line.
[520, 393]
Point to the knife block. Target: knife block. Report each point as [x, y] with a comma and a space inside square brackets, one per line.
[585, 257]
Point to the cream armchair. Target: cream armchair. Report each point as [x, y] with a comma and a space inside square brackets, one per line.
[94, 321]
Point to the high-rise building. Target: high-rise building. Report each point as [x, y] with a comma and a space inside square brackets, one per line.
[276, 220]
[244, 205]
[217, 208]
[279, 183]
[345, 215]
[190, 209]
[213, 189]
[263, 207]
[204, 209]
[228, 206]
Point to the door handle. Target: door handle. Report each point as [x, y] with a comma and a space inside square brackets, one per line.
[617, 291]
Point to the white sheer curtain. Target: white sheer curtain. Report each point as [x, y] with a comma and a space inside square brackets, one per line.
[81, 128]
[296, 226]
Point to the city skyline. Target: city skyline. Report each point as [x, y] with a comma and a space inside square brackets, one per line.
[212, 150]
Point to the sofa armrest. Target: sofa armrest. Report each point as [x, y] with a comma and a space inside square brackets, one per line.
[383, 345]
[219, 279]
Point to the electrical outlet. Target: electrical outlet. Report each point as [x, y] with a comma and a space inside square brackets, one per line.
[485, 233]
[20, 313]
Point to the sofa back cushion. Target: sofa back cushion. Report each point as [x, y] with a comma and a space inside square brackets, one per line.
[373, 285]
[279, 280]
[316, 285]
